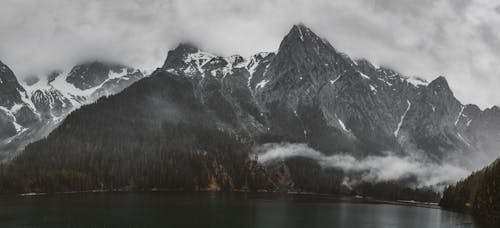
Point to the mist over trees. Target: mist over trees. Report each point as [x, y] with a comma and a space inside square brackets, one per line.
[126, 146]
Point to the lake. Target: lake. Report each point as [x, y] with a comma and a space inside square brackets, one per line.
[171, 209]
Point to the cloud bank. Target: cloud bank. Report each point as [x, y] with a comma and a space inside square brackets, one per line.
[372, 168]
[456, 38]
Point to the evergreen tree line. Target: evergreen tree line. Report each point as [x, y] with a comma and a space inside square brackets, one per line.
[478, 194]
[156, 134]
[180, 156]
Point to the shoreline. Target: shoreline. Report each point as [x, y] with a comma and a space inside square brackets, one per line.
[362, 199]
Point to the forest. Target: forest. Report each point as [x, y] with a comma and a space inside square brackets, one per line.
[478, 194]
[126, 146]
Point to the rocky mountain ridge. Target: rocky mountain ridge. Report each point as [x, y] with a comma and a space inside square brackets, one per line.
[310, 92]
[193, 122]
[30, 109]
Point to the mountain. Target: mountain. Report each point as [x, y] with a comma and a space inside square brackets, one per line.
[193, 123]
[15, 112]
[90, 75]
[31, 109]
[478, 194]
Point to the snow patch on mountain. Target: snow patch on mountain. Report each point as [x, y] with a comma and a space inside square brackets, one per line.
[11, 115]
[463, 139]
[262, 84]
[459, 115]
[335, 80]
[396, 132]
[67, 90]
[342, 125]
[416, 81]
[363, 75]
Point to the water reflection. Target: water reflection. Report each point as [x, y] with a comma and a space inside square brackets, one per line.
[217, 210]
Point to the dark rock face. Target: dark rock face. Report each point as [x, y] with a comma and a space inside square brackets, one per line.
[482, 130]
[306, 92]
[116, 85]
[10, 89]
[7, 128]
[51, 103]
[355, 100]
[309, 92]
[177, 56]
[222, 85]
[30, 113]
[15, 113]
[89, 75]
[26, 117]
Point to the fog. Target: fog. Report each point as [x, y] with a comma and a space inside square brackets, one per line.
[389, 167]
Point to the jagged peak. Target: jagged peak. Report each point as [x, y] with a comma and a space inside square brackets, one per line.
[178, 56]
[235, 59]
[300, 25]
[83, 66]
[301, 30]
[440, 79]
[262, 55]
[364, 65]
[3, 67]
[365, 62]
[89, 74]
[6, 74]
[301, 43]
[493, 109]
[186, 47]
[440, 83]
[472, 107]
[300, 34]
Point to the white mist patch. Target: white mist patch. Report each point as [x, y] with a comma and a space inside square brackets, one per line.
[389, 167]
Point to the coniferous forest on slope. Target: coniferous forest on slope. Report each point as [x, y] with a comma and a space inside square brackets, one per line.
[195, 124]
[124, 147]
[479, 194]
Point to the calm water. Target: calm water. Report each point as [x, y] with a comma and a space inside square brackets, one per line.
[216, 210]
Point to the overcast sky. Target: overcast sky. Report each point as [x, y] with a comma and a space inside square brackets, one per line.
[455, 38]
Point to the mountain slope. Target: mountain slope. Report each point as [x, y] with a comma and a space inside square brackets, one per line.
[16, 113]
[307, 92]
[176, 146]
[479, 194]
[355, 101]
[31, 110]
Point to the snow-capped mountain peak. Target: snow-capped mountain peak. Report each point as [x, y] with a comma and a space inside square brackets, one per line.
[29, 106]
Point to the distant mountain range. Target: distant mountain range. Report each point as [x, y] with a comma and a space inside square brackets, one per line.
[29, 110]
[309, 92]
[192, 123]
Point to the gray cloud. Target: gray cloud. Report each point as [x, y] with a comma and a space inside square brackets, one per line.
[372, 168]
[455, 38]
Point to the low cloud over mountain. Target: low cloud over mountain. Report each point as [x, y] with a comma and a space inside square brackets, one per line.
[458, 39]
[375, 168]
